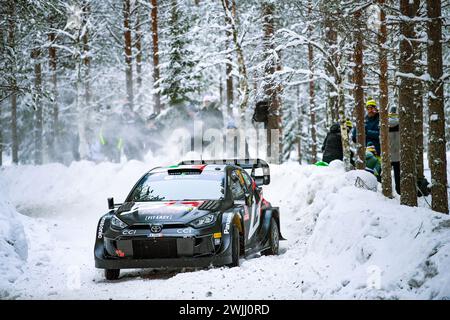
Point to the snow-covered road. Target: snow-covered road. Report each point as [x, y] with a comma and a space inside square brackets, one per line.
[343, 242]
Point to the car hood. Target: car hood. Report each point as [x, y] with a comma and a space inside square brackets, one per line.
[164, 211]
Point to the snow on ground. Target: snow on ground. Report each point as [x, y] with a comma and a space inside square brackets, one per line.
[343, 241]
[13, 246]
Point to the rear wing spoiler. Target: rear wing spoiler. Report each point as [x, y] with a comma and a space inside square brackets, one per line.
[248, 164]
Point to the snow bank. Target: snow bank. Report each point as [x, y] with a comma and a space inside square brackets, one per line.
[360, 244]
[13, 245]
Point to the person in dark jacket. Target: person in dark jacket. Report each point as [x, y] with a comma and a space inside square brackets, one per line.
[332, 145]
[372, 125]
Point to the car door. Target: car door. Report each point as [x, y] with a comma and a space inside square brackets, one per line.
[252, 216]
[244, 198]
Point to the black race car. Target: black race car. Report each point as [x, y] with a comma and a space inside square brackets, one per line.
[194, 214]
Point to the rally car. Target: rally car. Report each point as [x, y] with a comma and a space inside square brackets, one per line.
[193, 214]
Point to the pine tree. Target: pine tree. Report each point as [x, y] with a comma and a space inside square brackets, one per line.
[436, 155]
[406, 102]
[179, 81]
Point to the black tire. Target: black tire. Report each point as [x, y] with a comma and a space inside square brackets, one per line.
[112, 274]
[274, 240]
[235, 248]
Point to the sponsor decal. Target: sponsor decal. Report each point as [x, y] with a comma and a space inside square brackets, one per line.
[226, 230]
[129, 232]
[158, 217]
[100, 228]
[155, 235]
[184, 231]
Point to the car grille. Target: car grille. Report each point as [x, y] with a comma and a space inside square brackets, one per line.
[155, 249]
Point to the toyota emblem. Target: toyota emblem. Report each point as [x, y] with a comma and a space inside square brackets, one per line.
[155, 228]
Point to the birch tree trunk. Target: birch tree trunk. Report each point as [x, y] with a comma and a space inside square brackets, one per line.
[436, 144]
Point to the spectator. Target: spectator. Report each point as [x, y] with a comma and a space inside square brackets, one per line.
[372, 125]
[332, 145]
[394, 146]
[373, 164]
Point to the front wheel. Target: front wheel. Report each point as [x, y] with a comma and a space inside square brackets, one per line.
[274, 240]
[112, 274]
[235, 248]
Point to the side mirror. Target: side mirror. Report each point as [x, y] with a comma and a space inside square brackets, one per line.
[259, 180]
[111, 203]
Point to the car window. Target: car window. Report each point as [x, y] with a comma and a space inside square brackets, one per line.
[164, 187]
[236, 187]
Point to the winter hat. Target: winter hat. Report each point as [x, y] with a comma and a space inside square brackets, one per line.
[349, 123]
[371, 103]
[371, 148]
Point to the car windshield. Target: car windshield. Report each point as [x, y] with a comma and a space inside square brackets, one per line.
[164, 187]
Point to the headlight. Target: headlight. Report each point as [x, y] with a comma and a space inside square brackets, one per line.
[203, 221]
[117, 223]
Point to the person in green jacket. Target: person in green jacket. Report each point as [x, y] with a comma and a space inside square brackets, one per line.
[373, 164]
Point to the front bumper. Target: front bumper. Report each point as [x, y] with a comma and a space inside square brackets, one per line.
[196, 262]
[170, 252]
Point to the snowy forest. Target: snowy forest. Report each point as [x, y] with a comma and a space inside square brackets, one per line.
[69, 67]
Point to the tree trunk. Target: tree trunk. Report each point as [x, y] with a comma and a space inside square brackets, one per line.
[38, 154]
[138, 45]
[54, 135]
[2, 52]
[155, 55]
[13, 84]
[386, 177]
[418, 98]
[243, 77]
[128, 52]
[332, 95]
[406, 102]
[271, 89]
[358, 92]
[312, 108]
[436, 144]
[228, 65]
[86, 58]
[299, 125]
